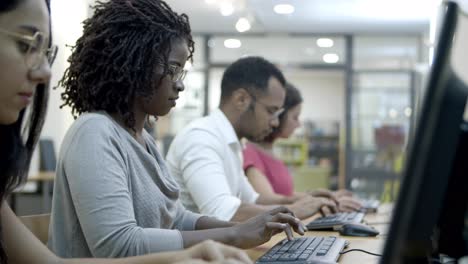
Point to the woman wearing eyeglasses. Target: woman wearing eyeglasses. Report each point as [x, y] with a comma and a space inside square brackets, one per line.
[25, 59]
[113, 194]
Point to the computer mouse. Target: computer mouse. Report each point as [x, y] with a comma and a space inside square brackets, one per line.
[353, 229]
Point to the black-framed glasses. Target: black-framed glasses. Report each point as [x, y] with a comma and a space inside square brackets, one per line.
[177, 73]
[36, 48]
[274, 114]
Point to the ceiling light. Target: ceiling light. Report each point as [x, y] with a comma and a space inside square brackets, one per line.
[393, 113]
[210, 2]
[226, 9]
[325, 42]
[284, 9]
[408, 111]
[232, 43]
[243, 24]
[331, 58]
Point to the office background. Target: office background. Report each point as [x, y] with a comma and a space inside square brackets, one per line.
[360, 65]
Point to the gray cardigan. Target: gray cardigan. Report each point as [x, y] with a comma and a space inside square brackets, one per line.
[112, 197]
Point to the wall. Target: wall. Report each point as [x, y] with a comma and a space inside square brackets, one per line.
[459, 62]
[323, 93]
[67, 16]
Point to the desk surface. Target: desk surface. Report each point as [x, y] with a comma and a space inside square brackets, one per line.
[42, 176]
[379, 220]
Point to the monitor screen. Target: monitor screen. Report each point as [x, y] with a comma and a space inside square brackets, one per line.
[413, 235]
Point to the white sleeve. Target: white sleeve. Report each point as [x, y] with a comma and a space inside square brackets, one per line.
[248, 193]
[200, 161]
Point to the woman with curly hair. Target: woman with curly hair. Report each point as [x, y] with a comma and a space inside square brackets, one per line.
[25, 59]
[113, 195]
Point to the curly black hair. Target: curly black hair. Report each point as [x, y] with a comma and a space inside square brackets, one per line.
[114, 60]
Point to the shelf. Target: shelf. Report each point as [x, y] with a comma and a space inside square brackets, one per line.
[292, 151]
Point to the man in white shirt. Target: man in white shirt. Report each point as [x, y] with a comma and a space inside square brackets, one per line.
[205, 157]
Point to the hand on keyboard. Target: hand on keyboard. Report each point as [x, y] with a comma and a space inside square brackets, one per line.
[323, 193]
[343, 192]
[344, 199]
[259, 229]
[348, 204]
[307, 206]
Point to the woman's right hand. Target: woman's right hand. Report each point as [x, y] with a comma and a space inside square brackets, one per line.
[210, 251]
[259, 229]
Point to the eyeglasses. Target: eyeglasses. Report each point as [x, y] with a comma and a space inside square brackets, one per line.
[274, 114]
[35, 48]
[177, 73]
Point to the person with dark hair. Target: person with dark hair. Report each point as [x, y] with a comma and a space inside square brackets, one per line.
[113, 194]
[270, 176]
[26, 55]
[206, 156]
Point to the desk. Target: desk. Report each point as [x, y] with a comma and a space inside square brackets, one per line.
[379, 220]
[44, 179]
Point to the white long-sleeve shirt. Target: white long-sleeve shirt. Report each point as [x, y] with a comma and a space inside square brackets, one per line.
[205, 158]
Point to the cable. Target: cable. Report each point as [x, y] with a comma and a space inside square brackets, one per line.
[360, 250]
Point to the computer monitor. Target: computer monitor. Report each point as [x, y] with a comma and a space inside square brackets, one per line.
[428, 184]
[450, 235]
[47, 155]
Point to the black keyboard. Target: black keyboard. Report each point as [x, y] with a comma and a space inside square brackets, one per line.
[335, 221]
[304, 250]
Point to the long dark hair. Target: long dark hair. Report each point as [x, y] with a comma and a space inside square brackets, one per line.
[114, 60]
[19, 139]
[293, 98]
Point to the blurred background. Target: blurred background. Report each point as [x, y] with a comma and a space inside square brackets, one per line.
[359, 64]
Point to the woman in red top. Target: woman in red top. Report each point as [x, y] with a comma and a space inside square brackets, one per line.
[269, 175]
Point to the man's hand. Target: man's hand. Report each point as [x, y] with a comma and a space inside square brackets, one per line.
[308, 206]
[343, 192]
[348, 204]
[324, 193]
[343, 198]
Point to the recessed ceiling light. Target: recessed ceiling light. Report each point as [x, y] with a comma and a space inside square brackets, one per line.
[393, 113]
[284, 9]
[226, 9]
[331, 58]
[408, 111]
[325, 42]
[232, 43]
[243, 24]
